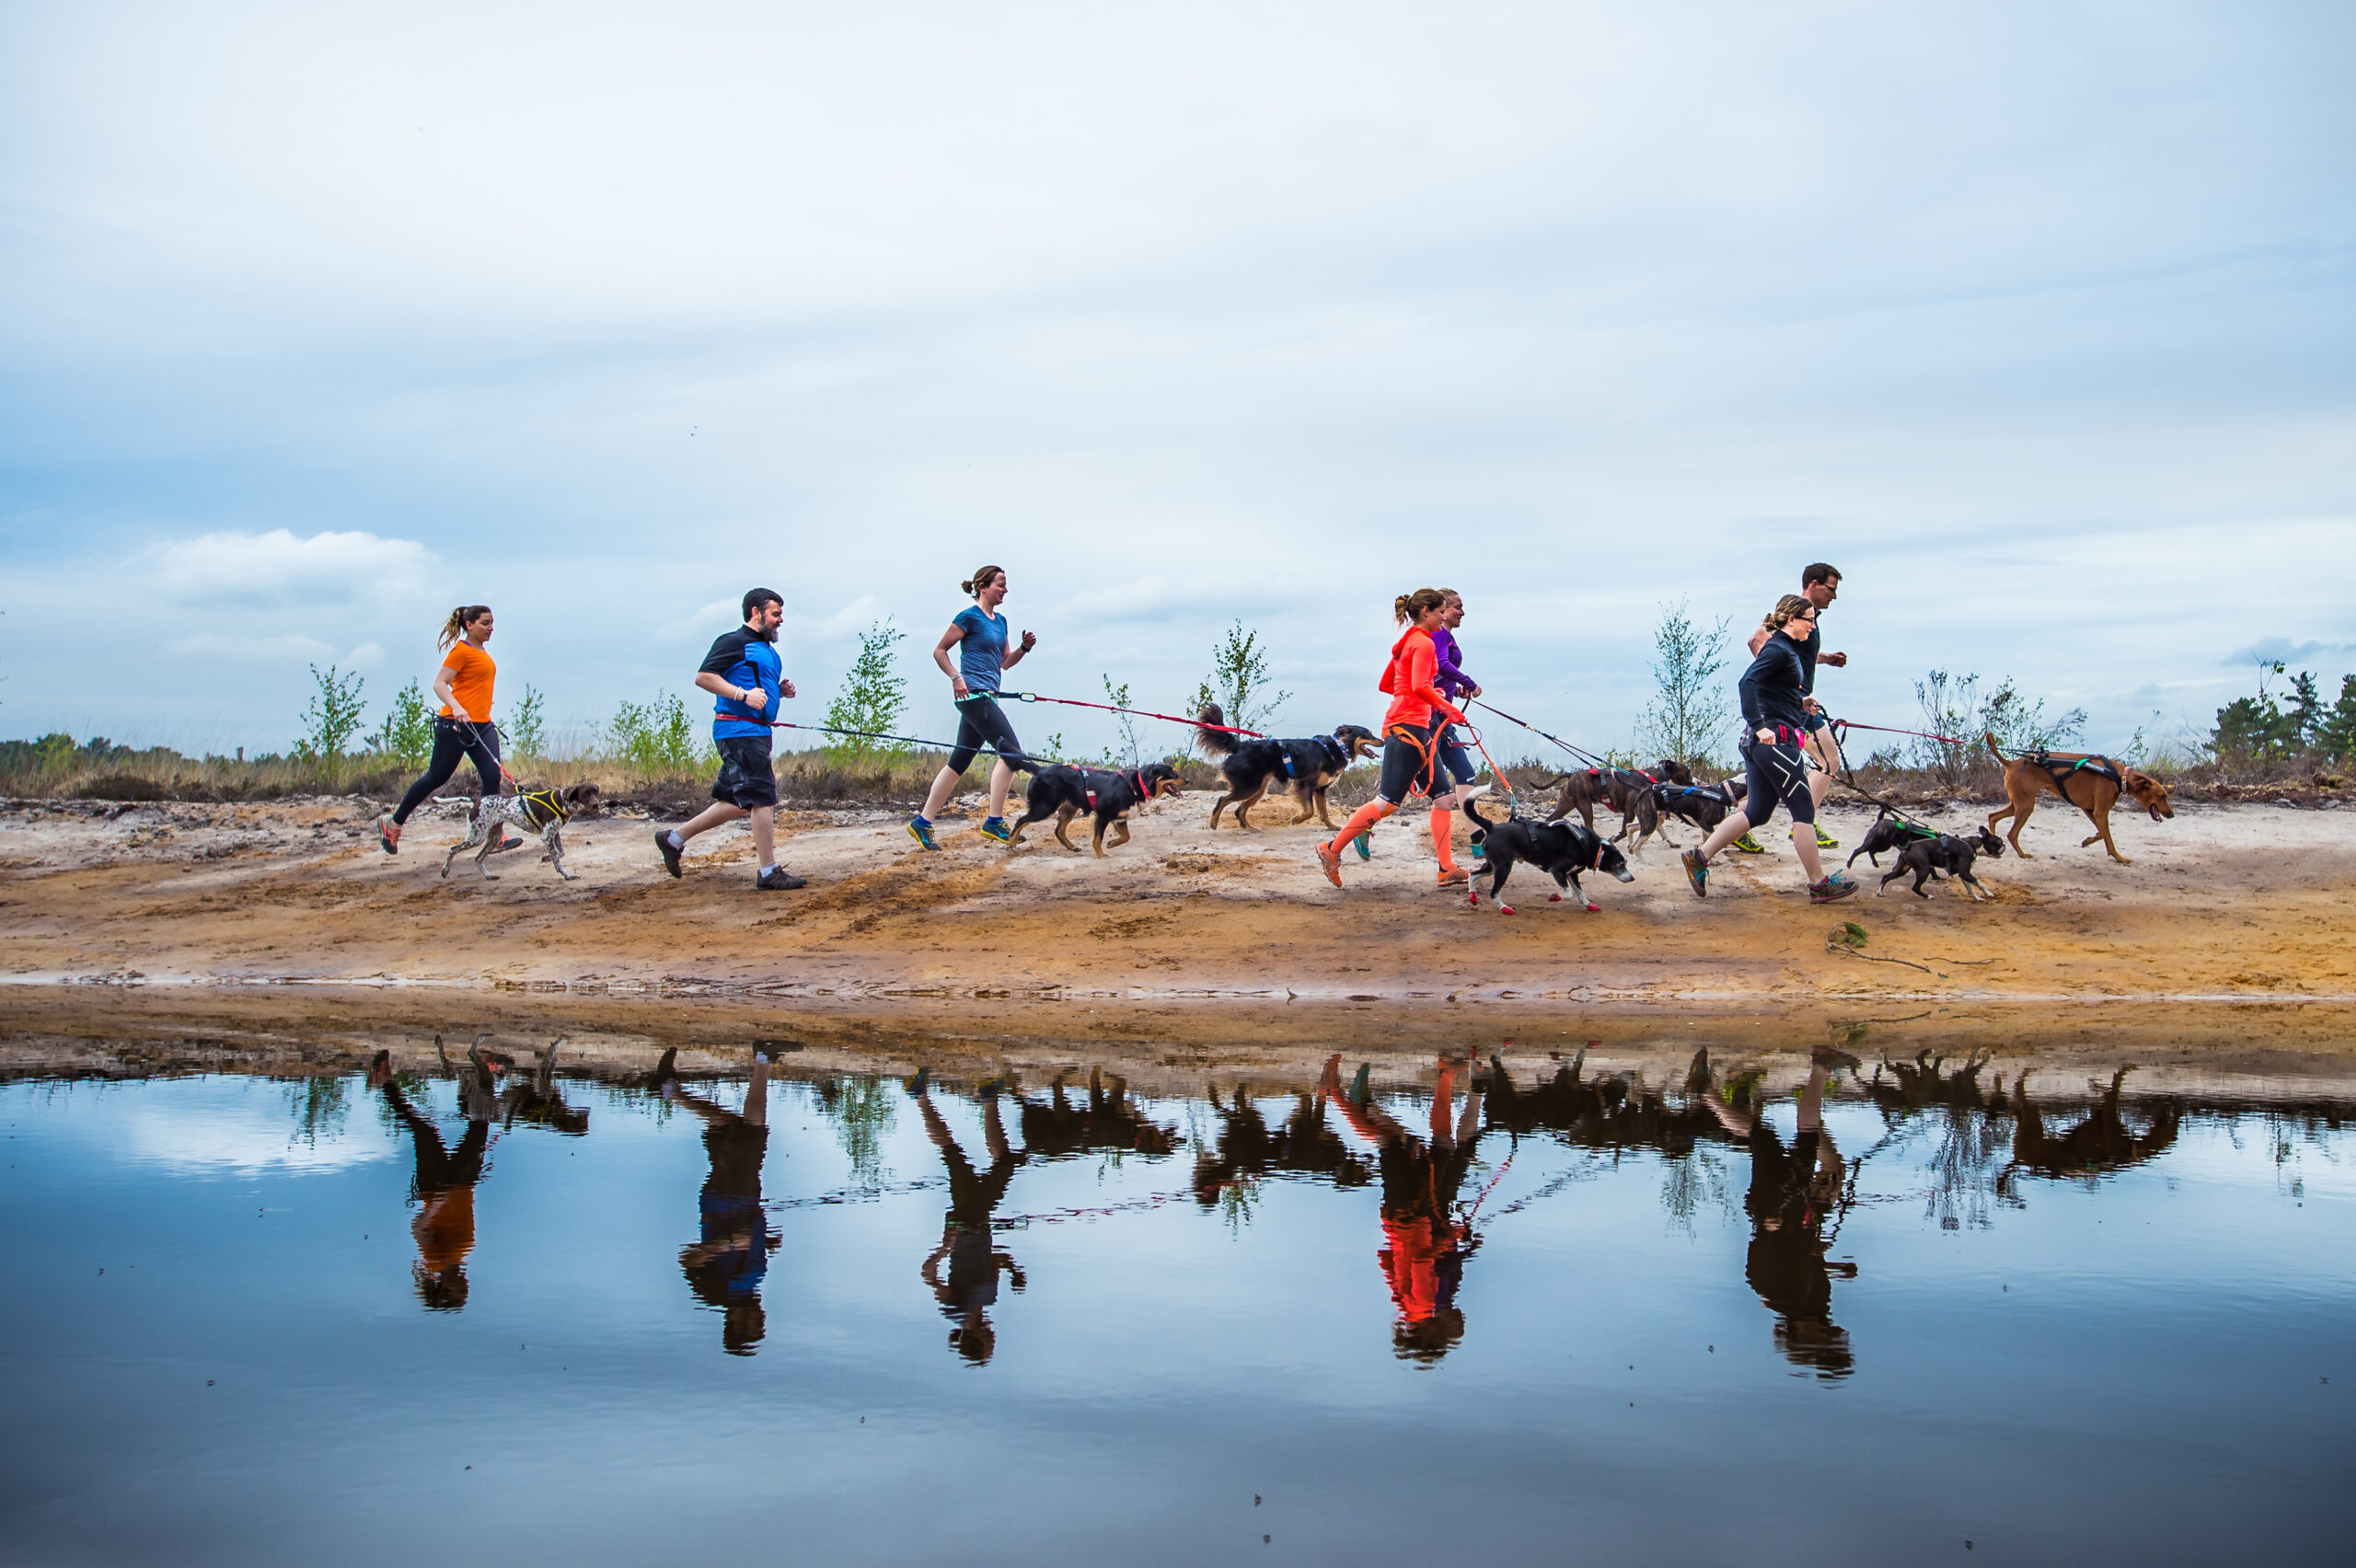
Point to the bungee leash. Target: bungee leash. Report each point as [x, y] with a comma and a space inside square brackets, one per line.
[879, 735]
[1141, 712]
[1887, 729]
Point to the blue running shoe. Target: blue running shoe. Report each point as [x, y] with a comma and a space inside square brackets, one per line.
[1697, 871]
[1365, 842]
[921, 831]
[994, 830]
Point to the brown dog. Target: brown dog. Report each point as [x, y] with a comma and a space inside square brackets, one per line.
[2089, 782]
[1624, 790]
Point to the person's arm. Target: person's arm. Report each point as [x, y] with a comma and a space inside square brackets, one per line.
[1759, 640]
[1452, 678]
[753, 698]
[1838, 661]
[951, 639]
[1012, 653]
[444, 679]
[1753, 714]
[1423, 663]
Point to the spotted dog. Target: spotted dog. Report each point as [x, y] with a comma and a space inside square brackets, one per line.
[537, 811]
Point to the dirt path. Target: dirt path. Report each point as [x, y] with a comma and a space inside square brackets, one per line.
[2226, 902]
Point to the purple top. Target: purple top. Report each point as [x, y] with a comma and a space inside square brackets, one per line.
[1452, 681]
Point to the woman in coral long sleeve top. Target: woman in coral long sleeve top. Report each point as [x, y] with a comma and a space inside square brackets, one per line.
[1417, 712]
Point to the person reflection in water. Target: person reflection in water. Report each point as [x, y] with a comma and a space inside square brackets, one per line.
[1792, 1191]
[969, 1286]
[1426, 1242]
[443, 1186]
[725, 1267]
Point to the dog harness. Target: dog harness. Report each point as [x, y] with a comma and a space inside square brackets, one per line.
[2061, 771]
[537, 808]
[1134, 780]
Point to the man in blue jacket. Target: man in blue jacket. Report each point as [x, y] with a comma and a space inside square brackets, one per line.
[746, 680]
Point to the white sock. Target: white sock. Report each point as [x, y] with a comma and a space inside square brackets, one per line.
[676, 842]
[767, 869]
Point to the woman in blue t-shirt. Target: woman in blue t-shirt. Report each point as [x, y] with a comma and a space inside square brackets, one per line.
[983, 653]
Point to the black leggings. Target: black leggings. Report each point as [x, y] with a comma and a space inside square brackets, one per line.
[1407, 767]
[1775, 773]
[981, 725]
[454, 739]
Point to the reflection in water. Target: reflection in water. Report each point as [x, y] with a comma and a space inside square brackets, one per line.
[726, 1264]
[444, 1188]
[969, 1288]
[2101, 1143]
[1108, 1122]
[1425, 1240]
[1227, 1173]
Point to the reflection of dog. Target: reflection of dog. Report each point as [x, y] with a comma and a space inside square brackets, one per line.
[540, 811]
[1561, 850]
[1253, 763]
[2091, 783]
[1891, 833]
[1064, 792]
[1924, 858]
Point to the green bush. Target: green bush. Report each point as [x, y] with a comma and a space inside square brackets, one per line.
[407, 730]
[527, 730]
[656, 738]
[331, 720]
[873, 699]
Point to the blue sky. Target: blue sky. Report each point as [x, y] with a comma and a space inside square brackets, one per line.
[2037, 321]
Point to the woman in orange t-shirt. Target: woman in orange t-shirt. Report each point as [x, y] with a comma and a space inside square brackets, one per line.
[463, 729]
[1418, 712]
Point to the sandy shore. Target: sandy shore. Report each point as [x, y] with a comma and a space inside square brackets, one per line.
[2224, 903]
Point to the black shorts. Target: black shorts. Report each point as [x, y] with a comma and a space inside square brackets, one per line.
[1406, 765]
[1776, 776]
[745, 778]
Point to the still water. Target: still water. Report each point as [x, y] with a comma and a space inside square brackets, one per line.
[1869, 1315]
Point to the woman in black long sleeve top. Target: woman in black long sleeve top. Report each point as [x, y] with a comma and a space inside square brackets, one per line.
[1776, 724]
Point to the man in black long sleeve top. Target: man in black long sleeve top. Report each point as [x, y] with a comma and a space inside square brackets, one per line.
[1820, 585]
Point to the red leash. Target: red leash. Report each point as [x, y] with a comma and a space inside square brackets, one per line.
[1141, 712]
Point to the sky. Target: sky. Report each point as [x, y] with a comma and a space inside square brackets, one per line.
[2037, 321]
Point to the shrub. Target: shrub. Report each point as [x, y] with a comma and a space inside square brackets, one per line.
[872, 700]
[407, 730]
[1238, 681]
[331, 720]
[656, 738]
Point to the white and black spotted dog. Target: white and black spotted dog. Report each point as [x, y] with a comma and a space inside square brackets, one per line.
[537, 811]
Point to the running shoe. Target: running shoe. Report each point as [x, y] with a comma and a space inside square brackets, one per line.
[388, 835]
[994, 830]
[1365, 842]
[1697, 871]
[777, 879]
[1332, 863]
[1480, 851]
[670, 851]
[1831, 890]
[1747, 844]
[1455, 876]
[1825, 840]
[921, 831]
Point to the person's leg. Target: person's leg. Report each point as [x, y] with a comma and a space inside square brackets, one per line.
[1002, 780]
[942, 783]
[1804, 841]
[1726, 832]
[482, 750]
[765, 835]
[704, 820]
[968, 746]
[449, 748]
[1443, 831]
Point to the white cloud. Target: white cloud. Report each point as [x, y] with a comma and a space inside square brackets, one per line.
[278, 570]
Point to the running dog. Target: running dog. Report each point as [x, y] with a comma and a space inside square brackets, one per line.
[538, 811]
[1703, 805]
[1561, 850]
[1630, 793]
[1064, 792]
[1891, 833]
[1251, 764]
[2091, 783]
[1924, 859]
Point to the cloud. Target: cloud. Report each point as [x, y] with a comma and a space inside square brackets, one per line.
[2273, 650]
[279, 571]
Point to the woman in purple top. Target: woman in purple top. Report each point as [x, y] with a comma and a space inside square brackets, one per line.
[1456, 686]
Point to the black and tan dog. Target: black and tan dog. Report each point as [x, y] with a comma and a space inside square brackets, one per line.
[1064, 792]
[1251, 764]
[540, 811]
[1703, 805]
[1561, 850]
[2089, 782]
[1924, 859]
[1635, 795]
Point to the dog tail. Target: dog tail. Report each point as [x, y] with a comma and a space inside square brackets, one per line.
[1994, 749]
[1210, 738]
[1482, 825]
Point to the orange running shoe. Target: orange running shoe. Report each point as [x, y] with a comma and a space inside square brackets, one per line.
[1455, 877]
[1332, 863]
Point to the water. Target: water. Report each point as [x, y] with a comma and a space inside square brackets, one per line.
[253, 1319]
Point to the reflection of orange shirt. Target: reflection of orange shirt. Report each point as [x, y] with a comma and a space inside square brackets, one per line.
[1412, 1264]
[444, 1227]
[472, 683]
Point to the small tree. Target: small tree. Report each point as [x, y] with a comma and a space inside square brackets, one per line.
[1238, 681]
[407, 733]
[1118, 696]
[655, 737]
[2260, 729]
[2020, 724]
[331, 720]
[527, 731]
[872, 700]
[1690, 709]
[1950, 705]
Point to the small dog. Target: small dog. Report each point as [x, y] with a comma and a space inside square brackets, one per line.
[1924, 859]
[1063, 793]
[1892, 833]
[1561, 850]
[538, 811]
[1251, 765]
[2091, 783]
[1703, 805]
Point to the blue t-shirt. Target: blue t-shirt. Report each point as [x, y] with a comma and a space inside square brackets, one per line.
[981, 657]
[744, 660]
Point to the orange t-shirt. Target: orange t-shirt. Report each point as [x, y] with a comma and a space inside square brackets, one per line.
[471, 683]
